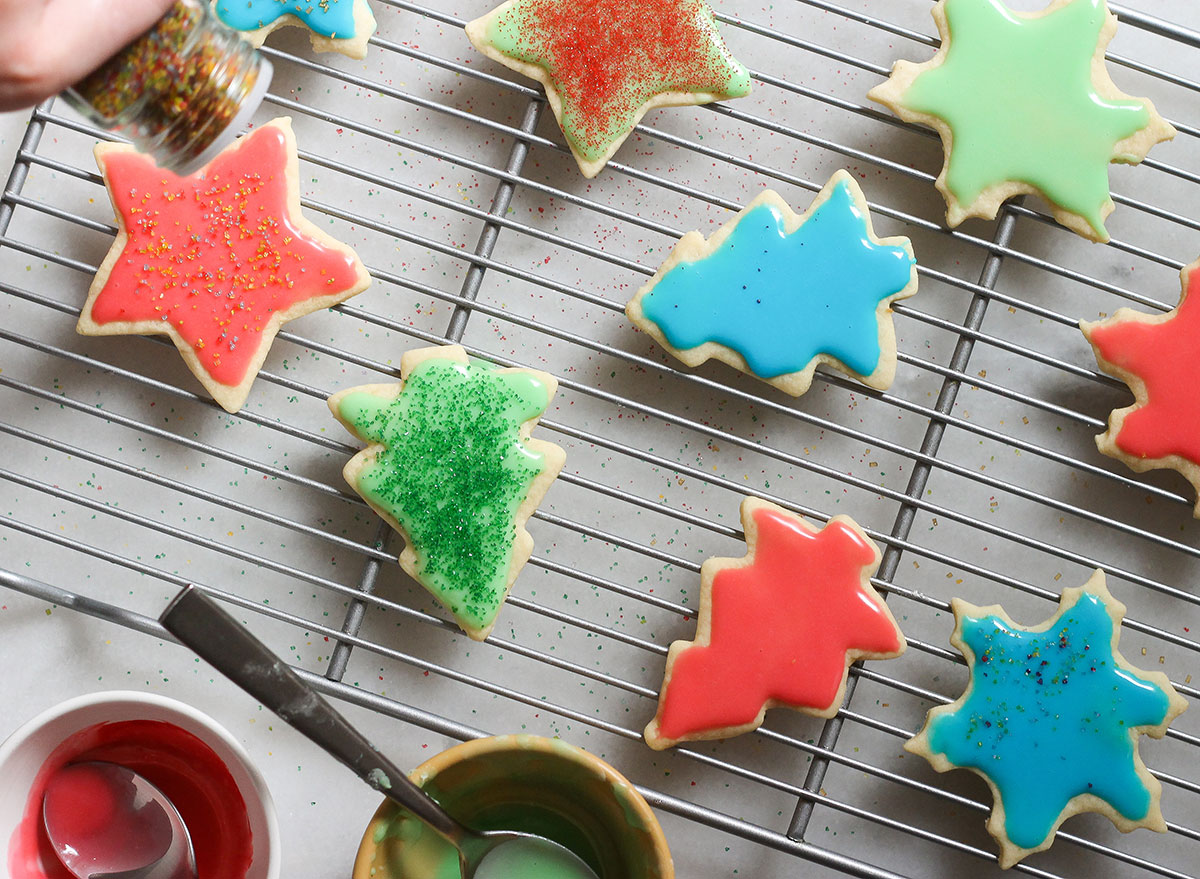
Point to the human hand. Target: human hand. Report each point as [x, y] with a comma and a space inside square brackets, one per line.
[46, 45]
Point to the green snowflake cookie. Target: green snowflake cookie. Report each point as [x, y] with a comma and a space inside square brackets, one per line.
[1024, 104]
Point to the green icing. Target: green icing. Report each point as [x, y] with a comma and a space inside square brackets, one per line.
[453, 473]
[1017, 92]
[418, 852]
[532, 859]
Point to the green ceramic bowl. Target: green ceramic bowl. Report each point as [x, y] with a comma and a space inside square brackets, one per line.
[526, 783]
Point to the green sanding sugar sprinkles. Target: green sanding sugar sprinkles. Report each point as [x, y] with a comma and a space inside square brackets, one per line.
[181, 91]
[452, 467]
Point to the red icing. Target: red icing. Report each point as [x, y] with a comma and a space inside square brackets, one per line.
[100, 821]
[608, 57]
[217, 253]
[180, 765]
[1165, 356]
[780, 628]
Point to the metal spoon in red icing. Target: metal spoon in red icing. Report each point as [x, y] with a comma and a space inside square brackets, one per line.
[107, 822]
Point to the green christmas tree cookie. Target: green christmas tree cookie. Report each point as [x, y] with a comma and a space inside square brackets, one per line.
[452, 467]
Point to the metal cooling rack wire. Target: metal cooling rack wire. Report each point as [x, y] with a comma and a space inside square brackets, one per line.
[481, 261]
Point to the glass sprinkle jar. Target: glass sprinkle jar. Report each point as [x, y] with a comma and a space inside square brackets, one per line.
[181, 91]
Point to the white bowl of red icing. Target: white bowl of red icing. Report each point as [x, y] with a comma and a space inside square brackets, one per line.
[205, 772]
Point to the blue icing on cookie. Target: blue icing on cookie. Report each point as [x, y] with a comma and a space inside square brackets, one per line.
[779, 300]
[1049, 717]
[329, 18]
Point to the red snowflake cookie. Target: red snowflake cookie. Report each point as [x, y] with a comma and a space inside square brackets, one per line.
[1157, 356]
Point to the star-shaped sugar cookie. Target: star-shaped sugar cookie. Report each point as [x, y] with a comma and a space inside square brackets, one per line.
[775, 294]
[779, 626]
[605, 63]
[217, 260]
[1158, 356]
[1051, 719]
[333, 25]
[1024, 104]
[452, 467]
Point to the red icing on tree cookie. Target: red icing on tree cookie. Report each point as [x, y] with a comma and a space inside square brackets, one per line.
[217, 259]
[779, 626]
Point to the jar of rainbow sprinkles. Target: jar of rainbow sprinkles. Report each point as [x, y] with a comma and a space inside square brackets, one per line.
[181, 91]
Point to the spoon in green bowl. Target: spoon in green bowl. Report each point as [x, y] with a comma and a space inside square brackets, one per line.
[197, 621]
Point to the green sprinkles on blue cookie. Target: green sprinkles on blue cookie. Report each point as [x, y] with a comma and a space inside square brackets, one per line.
[452, 468]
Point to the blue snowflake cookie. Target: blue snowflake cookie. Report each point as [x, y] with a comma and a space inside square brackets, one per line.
[1051, 719]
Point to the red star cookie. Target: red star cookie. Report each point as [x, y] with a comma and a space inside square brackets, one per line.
[780, 626]
[605, 63]
[1158, 356]
[218, 260]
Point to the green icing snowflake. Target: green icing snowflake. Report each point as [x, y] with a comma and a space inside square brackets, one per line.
[1027, 103]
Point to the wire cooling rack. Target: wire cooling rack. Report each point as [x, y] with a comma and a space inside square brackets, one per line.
[976, 472]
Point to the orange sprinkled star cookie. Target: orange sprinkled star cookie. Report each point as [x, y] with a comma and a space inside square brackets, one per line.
[1156, 355]
[779, 626]
[605, 63]
[217, 260]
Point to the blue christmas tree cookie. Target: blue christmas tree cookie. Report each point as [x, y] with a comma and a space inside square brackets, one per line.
[775, 294]
[1051, 719]
[333, 25]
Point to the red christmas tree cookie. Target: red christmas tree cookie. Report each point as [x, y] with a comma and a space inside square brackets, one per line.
[217, 260]
[1157, 356]
[780, 626]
